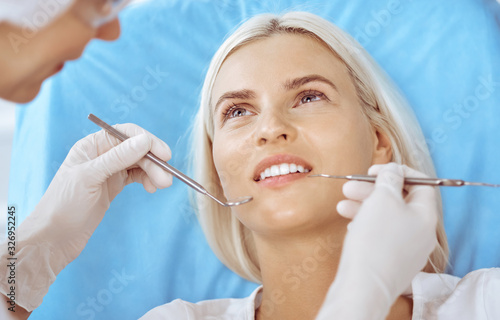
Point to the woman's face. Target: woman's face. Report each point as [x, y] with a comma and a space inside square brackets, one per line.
[27, 58]
[283, 106]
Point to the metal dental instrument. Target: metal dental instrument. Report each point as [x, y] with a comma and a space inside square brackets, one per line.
[437, 182]
[165, 166]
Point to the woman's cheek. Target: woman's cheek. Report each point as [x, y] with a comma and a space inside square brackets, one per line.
[228, 164]
[233, 170]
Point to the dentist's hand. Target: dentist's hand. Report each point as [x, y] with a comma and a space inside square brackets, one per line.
[388, 242]
[96, 169]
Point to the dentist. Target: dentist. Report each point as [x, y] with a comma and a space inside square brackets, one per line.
[36, 38]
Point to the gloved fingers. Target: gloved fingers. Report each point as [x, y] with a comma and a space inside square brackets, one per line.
[147, 184]
[348, 208]
[158, 177]
[410, 172]
[389, 177]
[138, 175]
[422, 199]
[426, 194]
[375, 169]
[121, 157]
[410, 189]
[421, 194]
[103, 141]
[357, 190]
[407, 172]
[158, 147]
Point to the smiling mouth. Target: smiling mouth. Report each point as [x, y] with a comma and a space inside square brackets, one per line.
[283, 169]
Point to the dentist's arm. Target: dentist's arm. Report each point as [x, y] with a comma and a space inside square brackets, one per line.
[96, 169]
[387, 244]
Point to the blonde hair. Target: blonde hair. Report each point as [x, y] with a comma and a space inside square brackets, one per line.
[384, 106]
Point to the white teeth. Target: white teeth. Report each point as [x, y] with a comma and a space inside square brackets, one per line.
[275, 171]
[282, 169]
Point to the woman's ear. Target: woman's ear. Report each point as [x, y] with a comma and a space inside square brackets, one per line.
[382, 151]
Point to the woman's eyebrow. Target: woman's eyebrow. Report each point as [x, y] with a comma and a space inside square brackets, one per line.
[239, 94]
[298, 82]
[288, 85]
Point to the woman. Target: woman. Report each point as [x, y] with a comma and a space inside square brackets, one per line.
[285, 97]
[36, 38]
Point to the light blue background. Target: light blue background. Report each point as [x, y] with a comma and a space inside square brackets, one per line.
[149, 249]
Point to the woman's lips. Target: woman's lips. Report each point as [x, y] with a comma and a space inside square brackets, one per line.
[278, 181]
[56, 69]
[281, 170]
[60, 67]
[277, 160]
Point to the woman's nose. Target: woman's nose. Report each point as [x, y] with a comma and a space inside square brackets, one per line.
[273, 128]
[109, 31]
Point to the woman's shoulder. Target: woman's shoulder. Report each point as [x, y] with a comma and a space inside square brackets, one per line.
[241, 309]
[442, 296]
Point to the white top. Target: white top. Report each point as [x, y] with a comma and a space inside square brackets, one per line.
[435, 297]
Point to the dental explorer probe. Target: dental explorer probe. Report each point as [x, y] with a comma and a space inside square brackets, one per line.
[436, 182]
[165, 166]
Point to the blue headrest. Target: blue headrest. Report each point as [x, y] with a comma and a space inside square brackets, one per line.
[149, 249]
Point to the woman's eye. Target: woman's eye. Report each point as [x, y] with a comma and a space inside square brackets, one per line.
[235, 112]
[238, 113]
[309, 98]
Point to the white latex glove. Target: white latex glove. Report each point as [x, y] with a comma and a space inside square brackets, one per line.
[96, 169]
[386, 245]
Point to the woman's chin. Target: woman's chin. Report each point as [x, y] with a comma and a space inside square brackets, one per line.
[288, 218]
[25, 95]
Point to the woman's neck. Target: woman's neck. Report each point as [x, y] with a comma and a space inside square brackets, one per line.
[298, 271]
